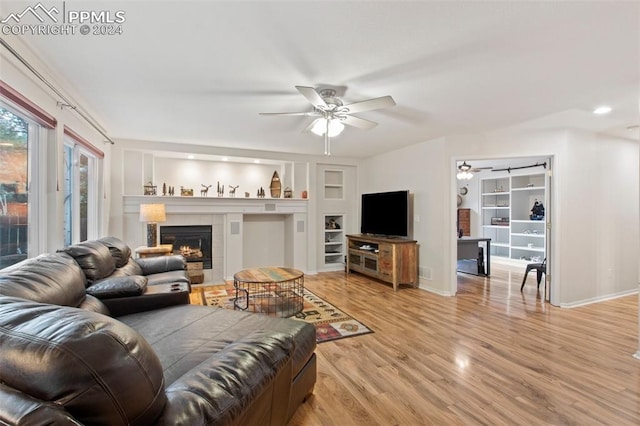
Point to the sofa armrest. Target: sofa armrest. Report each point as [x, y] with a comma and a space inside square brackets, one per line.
[155, 265]
[248, 382]
[18, 408]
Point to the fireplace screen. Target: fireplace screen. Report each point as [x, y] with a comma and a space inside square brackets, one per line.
[192, 241]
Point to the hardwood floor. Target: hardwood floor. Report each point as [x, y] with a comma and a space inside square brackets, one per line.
[490, 355]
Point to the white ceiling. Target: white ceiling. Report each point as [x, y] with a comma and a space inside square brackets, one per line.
[201, 71]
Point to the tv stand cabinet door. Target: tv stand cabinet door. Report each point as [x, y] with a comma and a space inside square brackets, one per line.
[385, 263]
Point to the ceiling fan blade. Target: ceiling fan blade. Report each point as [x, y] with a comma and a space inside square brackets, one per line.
[312, 96]
[308, 114]
[370, 104]
[360, 123]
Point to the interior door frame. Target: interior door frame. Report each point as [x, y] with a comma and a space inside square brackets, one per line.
[552, 294]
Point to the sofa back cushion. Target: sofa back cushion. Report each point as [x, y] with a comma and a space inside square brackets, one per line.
[119, 250]
[93, 257]
[101, 371]
[131, 268]
[49, 278]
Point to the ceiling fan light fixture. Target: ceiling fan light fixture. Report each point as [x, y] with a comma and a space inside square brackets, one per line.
[464, 175]
[320, 126]
[464, 172]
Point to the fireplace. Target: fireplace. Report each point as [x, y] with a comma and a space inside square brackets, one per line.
[191, 241]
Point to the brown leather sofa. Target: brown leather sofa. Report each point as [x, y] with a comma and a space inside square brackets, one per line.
[65, 360]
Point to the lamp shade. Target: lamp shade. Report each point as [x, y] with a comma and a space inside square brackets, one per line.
[152, 213]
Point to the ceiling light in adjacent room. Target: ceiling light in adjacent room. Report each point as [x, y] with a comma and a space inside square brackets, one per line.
[601, 110]
[464, 171]
[190, 157]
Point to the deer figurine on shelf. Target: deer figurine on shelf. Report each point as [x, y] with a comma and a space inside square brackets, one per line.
[205, 190]
[232, 191]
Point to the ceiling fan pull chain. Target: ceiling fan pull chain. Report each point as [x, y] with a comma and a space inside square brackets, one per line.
[327, 150]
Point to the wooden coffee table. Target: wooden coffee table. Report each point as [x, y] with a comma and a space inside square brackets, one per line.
[273, 291]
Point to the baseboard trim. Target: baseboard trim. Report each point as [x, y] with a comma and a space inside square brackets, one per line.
[599, 299]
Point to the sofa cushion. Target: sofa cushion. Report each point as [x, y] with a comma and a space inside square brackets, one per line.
[191, 334]
[168, 278]
[120, 251]
[131, 268]
[49, 278]
[93, 257]
[155, 265]
[110, 288]
[98, 369]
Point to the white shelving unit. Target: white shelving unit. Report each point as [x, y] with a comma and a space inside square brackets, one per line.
[333, 185]
[496, 213]
[334, 249]
[506, 207]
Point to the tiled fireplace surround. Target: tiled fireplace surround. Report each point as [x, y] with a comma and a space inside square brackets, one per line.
[227, 217]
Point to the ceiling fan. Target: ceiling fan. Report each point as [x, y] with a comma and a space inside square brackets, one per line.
[465, 170]
[333, 114]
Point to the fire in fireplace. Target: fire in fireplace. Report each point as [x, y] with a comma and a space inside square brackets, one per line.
[191, 241]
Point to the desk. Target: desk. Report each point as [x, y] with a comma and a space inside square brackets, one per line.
[469, 248]
[270, 290]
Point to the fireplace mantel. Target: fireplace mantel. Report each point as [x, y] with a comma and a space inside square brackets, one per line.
[217, 205]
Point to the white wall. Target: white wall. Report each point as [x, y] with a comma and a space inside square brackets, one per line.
[420, 169]
[595, 196]
[263, 241]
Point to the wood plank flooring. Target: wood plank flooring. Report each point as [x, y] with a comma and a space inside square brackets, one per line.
[490, 355]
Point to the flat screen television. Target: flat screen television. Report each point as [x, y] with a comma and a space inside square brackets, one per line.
[386, 214]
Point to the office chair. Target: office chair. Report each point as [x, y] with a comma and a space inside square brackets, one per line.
[540, 268]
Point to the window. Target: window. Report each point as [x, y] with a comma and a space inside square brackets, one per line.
[81, 200]
[17, 137]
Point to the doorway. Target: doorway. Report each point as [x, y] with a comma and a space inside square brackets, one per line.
[494, 207]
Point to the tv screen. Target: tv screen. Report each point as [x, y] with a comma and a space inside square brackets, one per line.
[385, 213]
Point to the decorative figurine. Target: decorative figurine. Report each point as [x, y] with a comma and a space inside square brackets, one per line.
[164, 188]
[150, 189]
[205, 190]
[186, 192]
[246, 195]
[288, 193]
[220, 190]
[275, 186]
[261, 192]
[232, 191]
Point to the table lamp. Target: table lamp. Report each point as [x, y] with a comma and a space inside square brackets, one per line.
[152, 214]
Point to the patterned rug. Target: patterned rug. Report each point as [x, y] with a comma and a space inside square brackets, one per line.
[331, 323]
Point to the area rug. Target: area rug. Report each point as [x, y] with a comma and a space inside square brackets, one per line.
[331, 323]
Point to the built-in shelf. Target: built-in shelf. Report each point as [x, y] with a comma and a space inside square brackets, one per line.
[333, 185]
[509, 199]
[334, 239]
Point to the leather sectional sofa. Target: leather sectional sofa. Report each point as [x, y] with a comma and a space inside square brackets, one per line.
[65, 359]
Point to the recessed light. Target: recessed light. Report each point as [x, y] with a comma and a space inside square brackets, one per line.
[256, 161]
[190, 157]
[604, 109]
[225, 159]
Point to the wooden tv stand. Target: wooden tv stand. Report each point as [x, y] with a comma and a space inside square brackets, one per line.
[393, 260]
